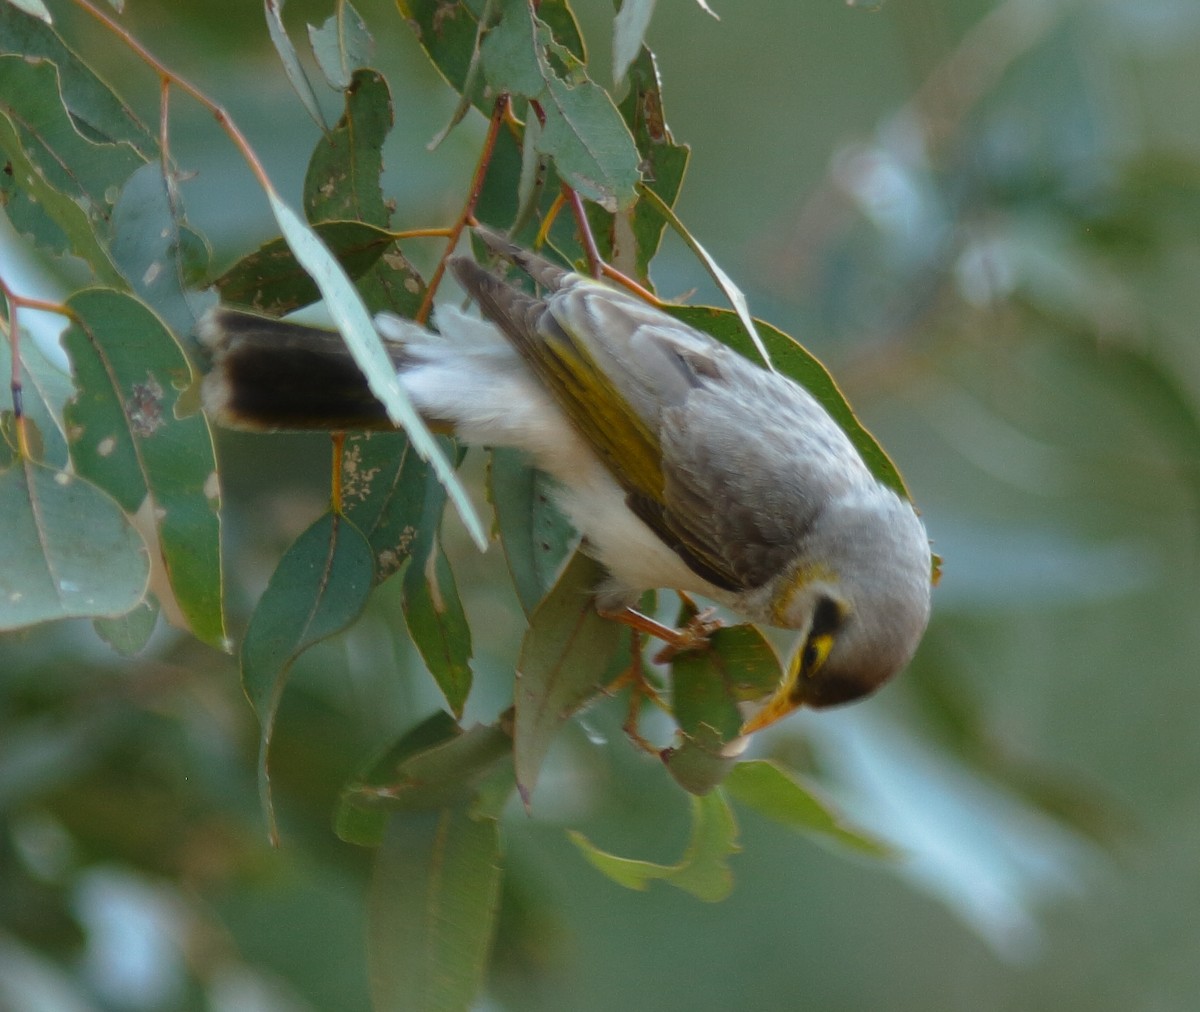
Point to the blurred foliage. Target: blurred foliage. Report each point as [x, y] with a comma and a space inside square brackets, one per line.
[980, 215]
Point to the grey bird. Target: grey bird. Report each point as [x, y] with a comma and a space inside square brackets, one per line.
[682, 464]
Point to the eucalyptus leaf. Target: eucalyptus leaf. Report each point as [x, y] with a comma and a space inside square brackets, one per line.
[68, 550]
[130, 435]
[272, 280]
[770, 791]
[703, 870]
[534, 533]
[354, 323]
[273, 10]
[342, 182]
[434, 897]
[319, 587]
[565, 656]
[341, 45]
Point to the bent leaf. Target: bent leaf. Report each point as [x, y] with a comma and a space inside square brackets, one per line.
[770, 791]
[319, 587]
[703, 870]
[66, 549]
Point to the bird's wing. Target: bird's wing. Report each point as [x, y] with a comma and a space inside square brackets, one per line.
[675, 416]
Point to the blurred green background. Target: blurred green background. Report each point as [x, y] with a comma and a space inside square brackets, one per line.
[984, 217]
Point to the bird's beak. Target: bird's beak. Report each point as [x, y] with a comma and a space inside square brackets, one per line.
[786, 699]
[778, 706]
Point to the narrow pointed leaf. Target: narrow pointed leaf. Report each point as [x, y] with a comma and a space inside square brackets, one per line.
[129, 436]
[354, 323]
[566, 654]
[437, 623]
[770, 791]
[341, 45]
[703, 870]
[433, 903]
[128, 634]
[66, 549]
[319, 587]
[33, 7]
[536, 536]
[273, 9]
[734, 294]
[629, 31]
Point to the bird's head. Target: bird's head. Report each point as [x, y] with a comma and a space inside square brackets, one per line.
[859, 594]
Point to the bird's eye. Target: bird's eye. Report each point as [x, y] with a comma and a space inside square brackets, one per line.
[827, 617]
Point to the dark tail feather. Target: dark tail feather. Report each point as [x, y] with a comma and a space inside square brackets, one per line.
[269, 374]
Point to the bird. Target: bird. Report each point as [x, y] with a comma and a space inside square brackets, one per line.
[682, 464]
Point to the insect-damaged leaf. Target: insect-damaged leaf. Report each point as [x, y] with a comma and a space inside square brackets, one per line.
[129, 436]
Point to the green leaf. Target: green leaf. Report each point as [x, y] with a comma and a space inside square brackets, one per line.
[433, 766]
[75, 165]
[737, 665]
[583, 133]
[68, 550]
[629, 31]
[341, 45]
[437, 623]
[128, 436]
[33, 7]
[565, 656]
[663, 161]
[45, 389]
[93, 106]
[590, 145]
[272, 281]
[342, 181]
[159, 254]
[433, 903]
[384, 487]
[50, 219]
[273, 9]
[129, 634]
[534, 533]
[703, 870]
[770, 791]
[792, 360]
[350, 315]
[319, 587]
[731, 291]
[700, 761]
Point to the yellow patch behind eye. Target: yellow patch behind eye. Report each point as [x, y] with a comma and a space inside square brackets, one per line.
[803, 576]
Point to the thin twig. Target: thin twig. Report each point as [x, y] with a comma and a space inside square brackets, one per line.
[468, 212]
